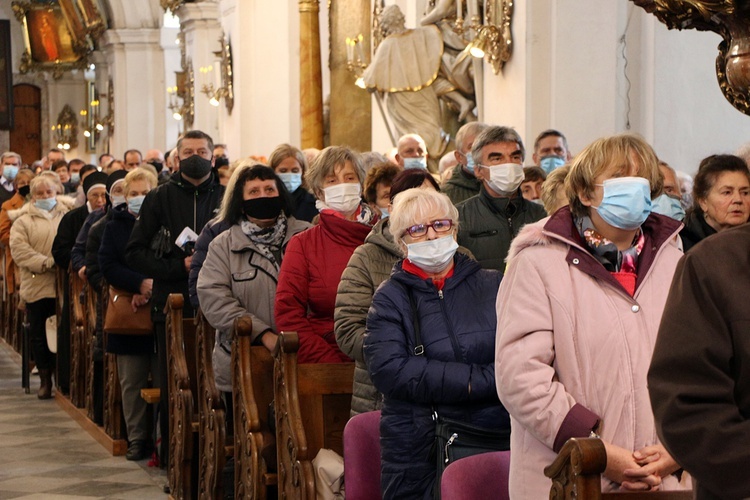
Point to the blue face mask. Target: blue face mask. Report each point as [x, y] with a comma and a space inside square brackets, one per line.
[420, 162]
[134, 204]
[550, 163]
[75, 178]
[469, 162]
[45, 204]
[666, 205]
[10, 172]
[291, 180]
[384, 213]
[626, 202]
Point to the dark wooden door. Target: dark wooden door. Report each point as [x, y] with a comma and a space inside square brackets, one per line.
[26, 135]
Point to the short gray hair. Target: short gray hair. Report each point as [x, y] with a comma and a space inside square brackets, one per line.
[495, 134]
[469, 129]
[411, 206]
[46, 178]
[11, 154]
[325, 164]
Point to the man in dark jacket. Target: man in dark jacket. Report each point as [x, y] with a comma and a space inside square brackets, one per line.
[490, 220]
[462, 183]
[181, 206]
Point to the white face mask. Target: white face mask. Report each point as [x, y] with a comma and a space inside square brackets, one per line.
[344, 197]
[432, 256]
[505, 178]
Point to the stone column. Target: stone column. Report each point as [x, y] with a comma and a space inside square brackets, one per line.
[136, 67]
[311, 79]
[200, 23]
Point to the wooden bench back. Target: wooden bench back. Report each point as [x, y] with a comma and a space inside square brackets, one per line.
[576, 473]
[312, 403]
[212, 416]
[114, 424]
[90, 311]
[252, 389]
[181, 374]
[78, 342]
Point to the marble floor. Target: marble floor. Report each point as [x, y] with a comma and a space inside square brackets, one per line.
[45, 455]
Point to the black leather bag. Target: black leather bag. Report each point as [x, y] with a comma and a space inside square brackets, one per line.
[455, 440]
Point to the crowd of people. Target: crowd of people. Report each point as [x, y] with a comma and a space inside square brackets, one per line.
[522, 298]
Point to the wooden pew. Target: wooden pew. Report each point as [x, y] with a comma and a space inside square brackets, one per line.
[78, 343]
[89, 307]
[252, 393]
[212, 452]
[114, 420]
[576, 474]
[312, 404]
[183, 424]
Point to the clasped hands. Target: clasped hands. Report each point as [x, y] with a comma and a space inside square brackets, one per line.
[641, 470]
[142, 298]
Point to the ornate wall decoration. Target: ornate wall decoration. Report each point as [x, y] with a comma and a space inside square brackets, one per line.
[722, 17]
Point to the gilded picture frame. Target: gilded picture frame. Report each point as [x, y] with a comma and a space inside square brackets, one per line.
[51, 44]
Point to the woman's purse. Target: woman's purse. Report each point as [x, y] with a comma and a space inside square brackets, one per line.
[120, 318]
[455, 439]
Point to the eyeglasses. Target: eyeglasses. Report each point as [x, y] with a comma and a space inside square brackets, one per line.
[439, 226]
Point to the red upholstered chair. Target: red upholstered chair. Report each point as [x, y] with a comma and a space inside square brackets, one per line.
[362, 456]
[480, 476]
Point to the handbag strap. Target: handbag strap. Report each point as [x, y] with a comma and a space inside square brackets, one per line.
[418, 345]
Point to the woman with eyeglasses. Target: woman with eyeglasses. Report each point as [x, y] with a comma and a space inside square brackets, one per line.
[430, 342]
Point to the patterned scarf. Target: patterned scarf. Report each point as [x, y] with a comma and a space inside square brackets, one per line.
[266, 239]
[364, 214]
[606, 252]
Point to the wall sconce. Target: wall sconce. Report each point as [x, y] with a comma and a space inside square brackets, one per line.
[66, 129]
[493, 39]
[355, 59]
[224, 87]
[176, 103]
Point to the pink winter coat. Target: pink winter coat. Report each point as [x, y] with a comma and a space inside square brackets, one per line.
[573, 347]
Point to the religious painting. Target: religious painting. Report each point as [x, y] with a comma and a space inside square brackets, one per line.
[6, 78]
[55, 38]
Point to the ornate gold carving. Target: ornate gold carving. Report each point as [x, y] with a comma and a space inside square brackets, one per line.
[171, 5]
[719, 16]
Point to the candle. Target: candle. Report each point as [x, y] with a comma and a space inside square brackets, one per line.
[458, 9]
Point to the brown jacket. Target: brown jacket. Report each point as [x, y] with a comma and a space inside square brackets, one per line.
[699, 378]
[14, 203]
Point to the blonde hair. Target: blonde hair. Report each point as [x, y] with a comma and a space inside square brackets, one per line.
[48, 179]
[140, 174]
[619, 154]
[236, 170]
[413, 205]
[325, 164]
[555, 182]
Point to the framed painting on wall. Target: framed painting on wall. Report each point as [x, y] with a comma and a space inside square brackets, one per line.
[6, 77]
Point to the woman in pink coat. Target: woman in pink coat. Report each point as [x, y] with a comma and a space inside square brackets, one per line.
[578, 312]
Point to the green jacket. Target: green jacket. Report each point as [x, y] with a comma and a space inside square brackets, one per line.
[461, 186]
[487, 225]
[369, 266]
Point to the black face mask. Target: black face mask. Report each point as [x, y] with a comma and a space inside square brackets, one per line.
[262, 208]
[159, 166]
[24, 191]
[196, 167]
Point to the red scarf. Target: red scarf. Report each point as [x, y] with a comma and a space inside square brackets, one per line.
[411, 268]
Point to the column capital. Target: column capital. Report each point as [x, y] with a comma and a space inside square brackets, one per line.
[190, 13]
[309, 5]
[128, 36]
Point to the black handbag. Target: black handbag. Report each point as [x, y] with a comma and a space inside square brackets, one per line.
[455, 439]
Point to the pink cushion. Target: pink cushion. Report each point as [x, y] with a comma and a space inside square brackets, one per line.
[479, 476]
[362, 456]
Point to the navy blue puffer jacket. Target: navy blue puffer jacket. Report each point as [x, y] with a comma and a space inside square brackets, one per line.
[457, 328]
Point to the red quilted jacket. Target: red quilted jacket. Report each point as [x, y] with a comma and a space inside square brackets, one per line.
[308, 280]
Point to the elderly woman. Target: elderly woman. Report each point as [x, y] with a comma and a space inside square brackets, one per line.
[377, 186]
[553, 190]
[370, 265]
[721, 198]
[451, 299]
[316, 258]
[239, 275]
[136, 354]
[578, 313]
[31, 236]
[290, 165]
[21, 196]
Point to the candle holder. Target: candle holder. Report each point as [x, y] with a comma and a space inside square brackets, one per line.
[489, 32]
